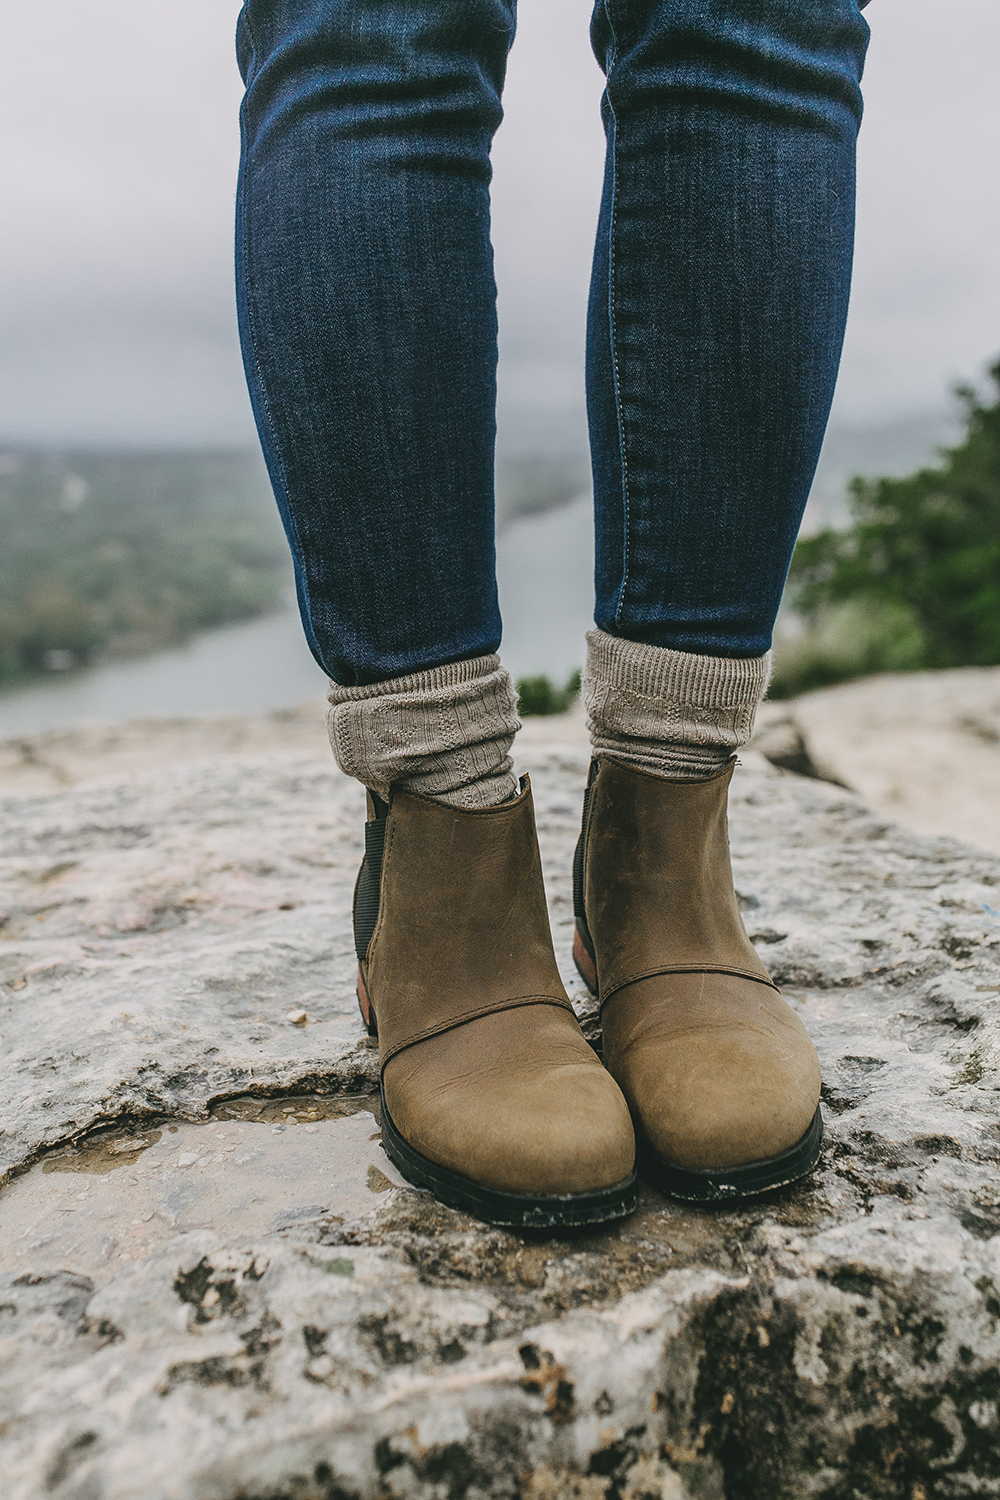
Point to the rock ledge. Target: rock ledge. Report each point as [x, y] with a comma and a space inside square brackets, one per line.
[839, 1341]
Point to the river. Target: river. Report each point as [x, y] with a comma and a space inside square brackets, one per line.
[545, 574]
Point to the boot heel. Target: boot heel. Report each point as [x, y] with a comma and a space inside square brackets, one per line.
[365, 1007]
[585, 965]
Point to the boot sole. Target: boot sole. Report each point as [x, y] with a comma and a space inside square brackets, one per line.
[734, 1184]
[507, 1210]
[713, 1185]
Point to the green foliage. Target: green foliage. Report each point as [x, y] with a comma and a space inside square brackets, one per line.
[853, 639]
[915, 582]
[538, 695]
[117, 554]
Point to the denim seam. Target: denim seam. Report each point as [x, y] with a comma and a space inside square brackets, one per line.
[255, 344]
[611, 323]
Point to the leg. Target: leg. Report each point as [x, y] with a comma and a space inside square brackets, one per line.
[717, 313]
[718, 304]
[368, 316]
[367, 311]
[368, 320]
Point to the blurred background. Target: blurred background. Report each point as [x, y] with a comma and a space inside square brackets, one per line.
[142, 568]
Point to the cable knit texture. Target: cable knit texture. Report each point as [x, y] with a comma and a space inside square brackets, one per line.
[670, 713]
[445, 733]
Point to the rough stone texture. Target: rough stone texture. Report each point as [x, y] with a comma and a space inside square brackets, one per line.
[923, 748]
[157, 930]
[840, 1341]
[53, 758]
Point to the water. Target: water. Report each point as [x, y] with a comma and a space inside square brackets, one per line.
[240, 669]
[545, 571]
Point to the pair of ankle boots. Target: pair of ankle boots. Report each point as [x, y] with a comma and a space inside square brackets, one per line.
[491, 1096]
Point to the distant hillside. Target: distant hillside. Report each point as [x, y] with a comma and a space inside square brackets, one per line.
[117, 554]
[111, 554]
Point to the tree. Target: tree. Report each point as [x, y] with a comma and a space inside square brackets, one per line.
[921, 564]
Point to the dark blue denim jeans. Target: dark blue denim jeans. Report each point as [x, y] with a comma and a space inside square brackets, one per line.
[368, 309]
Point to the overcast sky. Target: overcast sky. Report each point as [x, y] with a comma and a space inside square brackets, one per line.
[118, 121]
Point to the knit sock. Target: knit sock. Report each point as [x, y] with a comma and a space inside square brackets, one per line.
[670, 713]
[445, 733]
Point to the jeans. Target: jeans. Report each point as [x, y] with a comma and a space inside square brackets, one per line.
[368, 309]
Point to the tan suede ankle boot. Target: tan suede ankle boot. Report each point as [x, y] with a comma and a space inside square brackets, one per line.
[491, 1097]
[719, 1072]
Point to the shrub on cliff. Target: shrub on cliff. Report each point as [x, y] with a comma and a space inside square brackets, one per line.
[539, 695]
[915, 582]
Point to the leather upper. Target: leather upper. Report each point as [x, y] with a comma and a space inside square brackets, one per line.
[671, 902]
[485, 1068]
[718, 1070]
[487, 954]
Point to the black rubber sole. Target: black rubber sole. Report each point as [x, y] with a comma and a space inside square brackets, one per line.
[736, 1183]
[507, 1210]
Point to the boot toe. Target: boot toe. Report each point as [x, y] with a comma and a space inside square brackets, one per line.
[516, 1102]
[719, 1073]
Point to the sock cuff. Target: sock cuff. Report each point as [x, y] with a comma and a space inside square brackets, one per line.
[660, 674]
[433, 680]
[672, 713]
[445, 733]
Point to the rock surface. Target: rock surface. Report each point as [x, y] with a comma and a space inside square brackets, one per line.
[921, 747]
[840, 1341]
[51, 759]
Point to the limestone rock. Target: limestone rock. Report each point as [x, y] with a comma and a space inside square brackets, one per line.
[837, 1341]
[49, 759]
[158, 930]
[921, 747]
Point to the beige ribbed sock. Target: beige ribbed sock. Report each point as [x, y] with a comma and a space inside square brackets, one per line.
[445, 733]
[670, 713]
